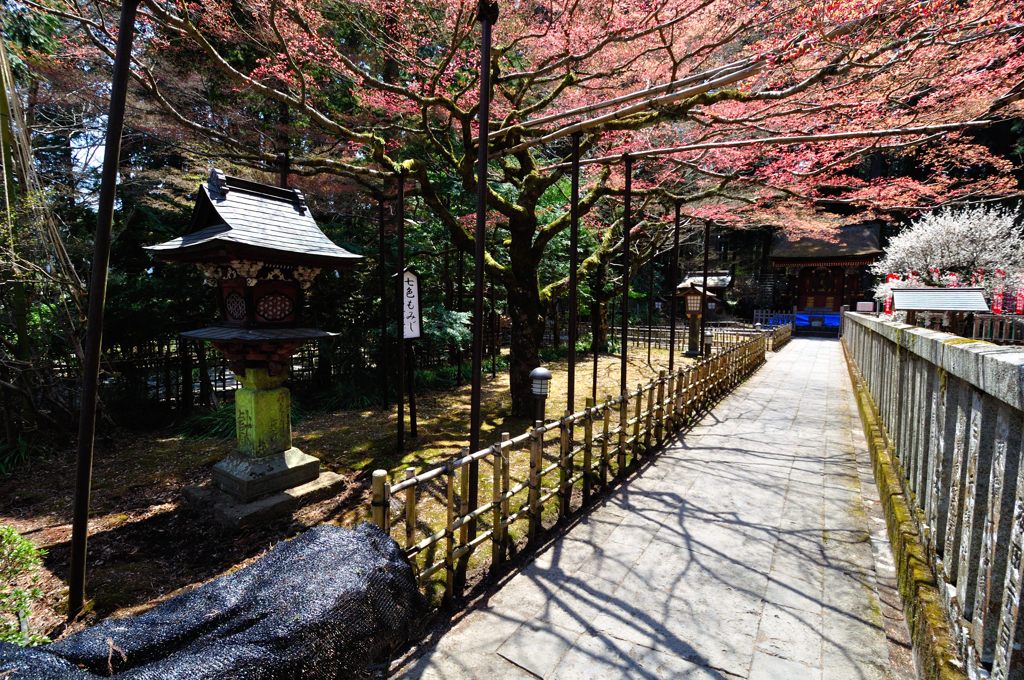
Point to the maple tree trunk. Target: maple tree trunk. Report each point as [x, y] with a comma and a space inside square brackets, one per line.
[527, 314]
[599, 326]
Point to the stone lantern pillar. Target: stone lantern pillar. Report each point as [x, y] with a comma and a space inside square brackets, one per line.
[260, 248]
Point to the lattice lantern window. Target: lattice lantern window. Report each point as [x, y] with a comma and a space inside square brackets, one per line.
[256, 298]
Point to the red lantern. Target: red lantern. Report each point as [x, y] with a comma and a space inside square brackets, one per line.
[1000, 291]
[1019, 307]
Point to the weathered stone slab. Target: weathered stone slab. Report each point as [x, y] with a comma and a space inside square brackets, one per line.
[232, 513]
[247, 478]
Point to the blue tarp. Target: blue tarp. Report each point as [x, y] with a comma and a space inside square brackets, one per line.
[817, 320]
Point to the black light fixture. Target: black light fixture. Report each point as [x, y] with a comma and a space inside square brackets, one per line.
[540, 385]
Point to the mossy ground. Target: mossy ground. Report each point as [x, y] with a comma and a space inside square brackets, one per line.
[146, 543]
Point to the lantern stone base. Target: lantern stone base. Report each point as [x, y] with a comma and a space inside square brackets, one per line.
[234, 514]
[247, 478]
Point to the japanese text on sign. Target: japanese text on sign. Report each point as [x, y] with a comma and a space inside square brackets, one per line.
[410, 305]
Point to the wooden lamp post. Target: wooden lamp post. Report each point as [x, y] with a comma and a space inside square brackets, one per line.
[693, 302]
[260, 248]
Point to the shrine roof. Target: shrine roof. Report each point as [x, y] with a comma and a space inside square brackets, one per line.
[238, 219]
[852, 241]
[716, 279]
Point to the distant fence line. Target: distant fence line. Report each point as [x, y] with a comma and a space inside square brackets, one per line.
[182, 372]
[565, 460]
[952, 412]
[772, 317]
[187, 372]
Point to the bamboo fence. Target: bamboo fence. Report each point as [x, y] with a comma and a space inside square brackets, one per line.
[546, 473]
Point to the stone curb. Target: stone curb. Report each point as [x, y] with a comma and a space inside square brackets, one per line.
[932, 639]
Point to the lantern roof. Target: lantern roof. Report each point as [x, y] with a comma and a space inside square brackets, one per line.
[231, 333]
[716, 279]
[234, 218]
[694, 289]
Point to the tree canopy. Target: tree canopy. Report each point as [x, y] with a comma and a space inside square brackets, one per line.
[778, 111]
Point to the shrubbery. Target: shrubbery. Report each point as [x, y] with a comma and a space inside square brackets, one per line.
[19, 579]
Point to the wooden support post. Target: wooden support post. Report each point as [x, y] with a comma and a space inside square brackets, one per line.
[588, 449]
[379, 504]
[564, 464]
[687, 387]
[659, 414]
[410, 509]
[669, 408]
[536, 463]
[638, 408]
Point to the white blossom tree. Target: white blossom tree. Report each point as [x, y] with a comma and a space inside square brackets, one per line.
[980, 246]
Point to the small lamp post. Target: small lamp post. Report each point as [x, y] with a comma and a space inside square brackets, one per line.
[540, 384]
[693, 296]
[692, 305]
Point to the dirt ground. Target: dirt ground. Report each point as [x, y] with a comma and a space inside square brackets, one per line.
[146, 543]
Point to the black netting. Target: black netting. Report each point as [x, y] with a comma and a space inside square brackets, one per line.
[325, 605]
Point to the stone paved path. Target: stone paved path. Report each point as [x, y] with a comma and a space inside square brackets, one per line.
[748, 550]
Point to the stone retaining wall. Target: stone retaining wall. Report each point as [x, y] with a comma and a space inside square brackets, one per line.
[951, 411]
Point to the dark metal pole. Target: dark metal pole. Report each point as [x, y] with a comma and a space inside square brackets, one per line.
[382, 362]
[460, 273]
[574, 257]
[97, 304]
[495, 339]
[487, 15]
[704, 291]
[400, 300]
[650, 309]
[627, 226]
[673, 276]
[283, 145]
[412, 391]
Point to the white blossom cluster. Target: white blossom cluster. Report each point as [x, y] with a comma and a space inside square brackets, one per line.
[952, 246]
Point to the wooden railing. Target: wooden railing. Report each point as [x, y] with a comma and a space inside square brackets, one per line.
[999, 328]
[542, 475]
[779, 337]
[723, 334]
[952, 413]
[771, 317]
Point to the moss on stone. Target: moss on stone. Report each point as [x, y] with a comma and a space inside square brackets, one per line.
[931, 634]
[964, 341]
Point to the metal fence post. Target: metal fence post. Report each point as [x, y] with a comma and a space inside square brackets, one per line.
[410, 509]
[623, 427]
[536, 463]
[588, 449]
[564, 464]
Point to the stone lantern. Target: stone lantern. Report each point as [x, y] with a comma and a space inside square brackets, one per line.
[260, 248]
